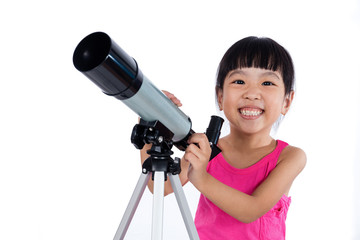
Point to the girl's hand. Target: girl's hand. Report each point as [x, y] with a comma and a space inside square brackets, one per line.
[198, 155]
[172, 97]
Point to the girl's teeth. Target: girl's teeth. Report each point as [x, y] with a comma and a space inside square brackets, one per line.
[250, 112]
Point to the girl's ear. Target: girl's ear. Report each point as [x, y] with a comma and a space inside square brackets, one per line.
[287, 102]
[219, 94]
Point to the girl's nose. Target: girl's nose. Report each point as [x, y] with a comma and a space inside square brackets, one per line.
[252, 93]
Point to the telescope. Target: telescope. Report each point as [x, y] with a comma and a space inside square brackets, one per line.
[117, 74]
[162, 124]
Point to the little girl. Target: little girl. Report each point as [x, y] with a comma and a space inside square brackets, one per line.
[244, 189]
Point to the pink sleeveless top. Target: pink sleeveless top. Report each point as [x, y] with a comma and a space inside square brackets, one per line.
[212, 223]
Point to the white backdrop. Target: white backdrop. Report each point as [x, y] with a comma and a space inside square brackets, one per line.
[67, 165]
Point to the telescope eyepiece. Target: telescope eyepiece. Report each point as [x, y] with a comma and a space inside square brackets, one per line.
[214, 130]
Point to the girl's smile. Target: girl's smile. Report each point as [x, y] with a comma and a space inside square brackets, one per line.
[250, 112]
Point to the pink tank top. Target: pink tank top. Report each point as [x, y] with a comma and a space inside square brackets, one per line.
[212, 223]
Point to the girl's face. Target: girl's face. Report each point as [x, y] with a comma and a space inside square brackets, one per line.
[253, 99]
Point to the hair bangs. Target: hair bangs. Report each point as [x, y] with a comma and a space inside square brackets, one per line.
[257, 52]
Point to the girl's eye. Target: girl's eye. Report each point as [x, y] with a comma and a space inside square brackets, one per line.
[239, 82]
[267, 83]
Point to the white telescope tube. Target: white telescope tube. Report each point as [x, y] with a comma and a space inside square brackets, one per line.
[117, 74]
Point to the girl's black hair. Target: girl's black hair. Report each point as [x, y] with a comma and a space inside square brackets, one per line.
[257, 52]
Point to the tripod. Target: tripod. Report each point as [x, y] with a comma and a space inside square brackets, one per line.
[159, 165]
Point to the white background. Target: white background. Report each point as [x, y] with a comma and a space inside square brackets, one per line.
[67, 167]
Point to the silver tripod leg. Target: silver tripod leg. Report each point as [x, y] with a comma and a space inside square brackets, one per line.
[184, 207]
[131, 208]
[158, 206]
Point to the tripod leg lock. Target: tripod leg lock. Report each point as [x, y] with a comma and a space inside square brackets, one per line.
[175, 166]
[155, 165]
[166, 165]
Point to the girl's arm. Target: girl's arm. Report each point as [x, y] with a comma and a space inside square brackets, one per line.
[246, 208]
[184, 164]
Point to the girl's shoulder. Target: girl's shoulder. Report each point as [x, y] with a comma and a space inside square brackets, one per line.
[294, 156]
